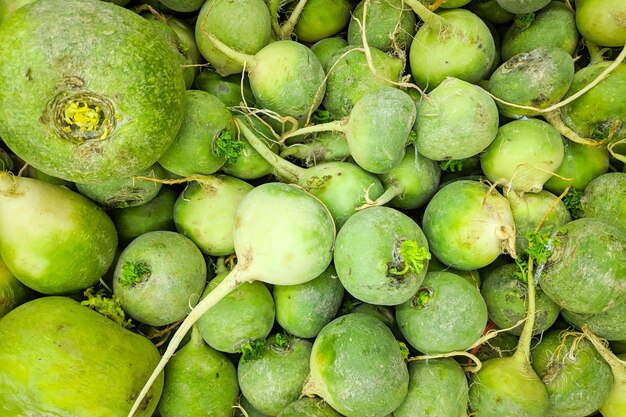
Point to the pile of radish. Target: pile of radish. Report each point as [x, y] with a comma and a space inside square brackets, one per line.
[312, 208]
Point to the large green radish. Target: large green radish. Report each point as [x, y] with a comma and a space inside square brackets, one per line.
[602, 21]
[294, 247]
[58, 358]
[86, 115]
[357, 367]
[321, 19]
[605, 198]
[53, 240]
[610, 324]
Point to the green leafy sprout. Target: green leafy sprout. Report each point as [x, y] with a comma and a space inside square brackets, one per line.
[281, 341]
[133, 273]
[422, 297]
[108, 307]
[252, 350]
[227, 147]
[412, 258]
[451, 165]
[540, 246]
[523, 21]
[404, 350]
[321, 116]
[573, 203]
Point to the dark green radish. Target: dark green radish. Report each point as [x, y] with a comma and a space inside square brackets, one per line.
[357, 367]
[199, 381]
[602, 21]
[295, 247]
[437, 388]
[577, 378]
[502, 345]
[586, 273]
[274, 378]
[229, 89]
[552, 26]
[12, 292]
[472, 276]
[8, 7]
[183, 6]
[531, 209]
[82, 116]
[455, 121]
[581, 163]
[127, 192]
[389, 25]
[350, 77]
[609, 325]
[326, 48]
[58, 358]
[321, 19]
[539, 78]
[411, 183]
[522, 6]
[506, 294]
[186, 35]
[244, 25]
[377, 130]
[204, 141]
[341, 186]
[381, 256]
[42, 229]
[605, 198]
[524, 155]
[451, 43]
[386, 314]
[248, 164]
[244, 315]
[490, 11]
[303, 310]
[157, 214]
[308, 407]
[159, 277]
[447, 314]
[468, 225]
[205, 212]
[615, 404]
[324, 147]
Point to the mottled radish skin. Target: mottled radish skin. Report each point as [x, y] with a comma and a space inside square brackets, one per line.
[8, 7]
[389, 25]
[43, 227]
[437, 388]
[367, 249]
[523, 155]
[586, 273]
[199, 381]
[326, 48]
[467, 225]
[244, 25]
[174, 281]
[357, 367]
[457, 121]
[491, 11]
[79, 61]
[184, 6]
[321, 19]
[303, 310]
[53, 363]
[602, 22]
[228, 89]
[503, 345]
[552, 26]
[274, 380]
[472, 276]
[522, 6]
[249, 409]
[451, 317]
[308, 407]
[577, 379]
[205, 212]
[605, 198]
[609, 325]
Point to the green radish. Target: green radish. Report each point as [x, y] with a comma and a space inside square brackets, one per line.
[539, 78]
[377, 130]
[159, 277]
[610, 325]
[605, 198]
[54, 361]
[341, 186]
[204, 141]
[184, 6]
[157, 214]
[232, 89]
[40, 245]
[468, 225]
[243, 316]
[244, 25]
[245, 406]
[586, 273]
[385, 314]
[451, 43]
[12, 292]
[381, 256]
[85, 115]
[455, 121]
[274, 378]
[321, 19]
[128, 192]
[450, 4]
[389, 25]
[446, 314]
[505, 292]
[8, 7]
[602, 21]
[205, 211]
[472, 276]
[523, 155]
[552, 26]
[500, 346]
[324, 49]
[293, 248]
[324, 147]
[357, 367]
[576, 376]
[490, 11]
[350, 77]
[522, 6]
[437, 388]
[304, 309]
[199, 381]
[308, 407]
[32, 172]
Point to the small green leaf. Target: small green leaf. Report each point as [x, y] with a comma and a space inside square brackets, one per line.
[280, 341]
[573, 203]
[540, 246]
[412, 257]
[108, 307]
[404, 350]
[226, 146]
[133, 273]
[523, 21]
[321, 116]
[452, 165]
[252, 350]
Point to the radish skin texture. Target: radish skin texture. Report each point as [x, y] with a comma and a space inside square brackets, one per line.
[609, 325]
[321, 19]
[602, 21]
[12, 291]
[605, 198]
[389, 25]
[308, 407]
[522, 6]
